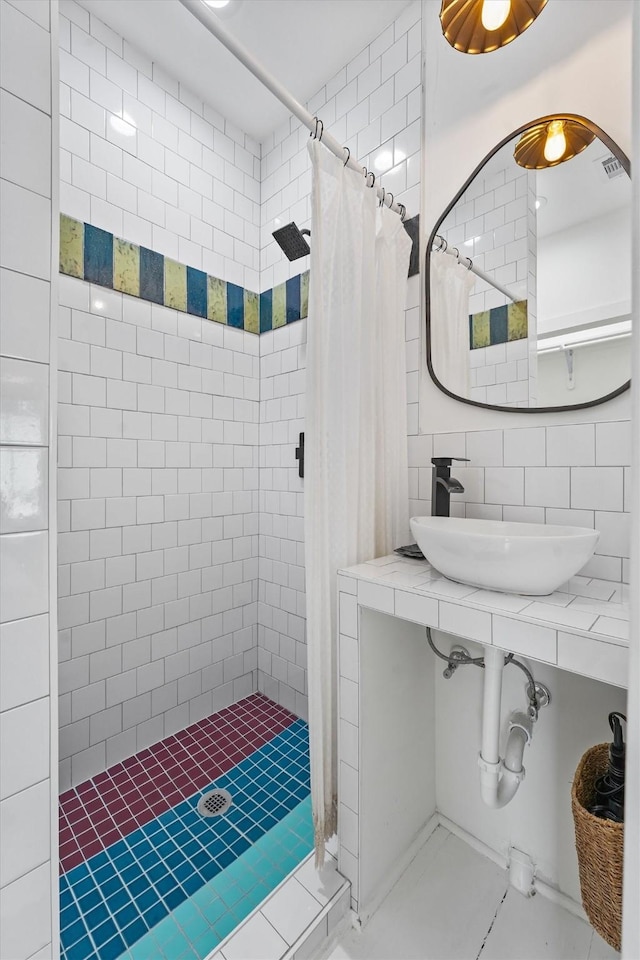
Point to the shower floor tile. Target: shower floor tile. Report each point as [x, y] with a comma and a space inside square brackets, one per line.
[124, 797]
[175, 886]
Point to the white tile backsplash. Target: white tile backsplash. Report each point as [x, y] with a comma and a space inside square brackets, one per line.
[574, 474]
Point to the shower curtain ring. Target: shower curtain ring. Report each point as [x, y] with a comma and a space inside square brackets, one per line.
[457, 253]
[314, 133]
[373, 180]
[470, 262]
[348, 155]
[321, 130]
[443, 245]
[391, 202]
[382, 198]
[403, 212]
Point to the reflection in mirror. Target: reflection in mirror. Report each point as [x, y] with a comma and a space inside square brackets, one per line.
[529, 301]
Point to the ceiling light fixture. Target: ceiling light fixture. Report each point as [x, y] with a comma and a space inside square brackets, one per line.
[481, 26]
[551, 142]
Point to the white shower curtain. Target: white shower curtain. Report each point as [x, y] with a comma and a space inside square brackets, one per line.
[356, 488]
[451, 284]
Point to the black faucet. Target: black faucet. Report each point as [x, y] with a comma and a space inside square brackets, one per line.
[443, 485]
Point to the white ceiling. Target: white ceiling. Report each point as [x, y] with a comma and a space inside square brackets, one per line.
[302, 42]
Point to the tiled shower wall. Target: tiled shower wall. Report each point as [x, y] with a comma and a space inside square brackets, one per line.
[282, 652]
[158, 501]
[28, 202]
[373, 106]
[158, 451]
[183, 181]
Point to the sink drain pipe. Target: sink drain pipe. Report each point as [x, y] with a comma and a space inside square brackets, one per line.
[500, 779]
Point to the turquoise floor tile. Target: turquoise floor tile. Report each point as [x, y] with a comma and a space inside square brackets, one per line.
[195, 927]
[206, 943]
[226, 924]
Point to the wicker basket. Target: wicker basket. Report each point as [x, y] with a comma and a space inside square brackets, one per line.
[600, 846]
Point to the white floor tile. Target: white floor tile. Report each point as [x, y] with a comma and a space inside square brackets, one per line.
[323, 883]
[291, 910]
[255, 940]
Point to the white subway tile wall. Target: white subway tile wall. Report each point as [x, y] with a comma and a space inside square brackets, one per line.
[372, 106]
[25, 274]
[577, 474]
[143, 158]
[282, 651]
[158, 521]
[158, 414]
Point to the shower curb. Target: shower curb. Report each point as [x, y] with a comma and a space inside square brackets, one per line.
[317, 930]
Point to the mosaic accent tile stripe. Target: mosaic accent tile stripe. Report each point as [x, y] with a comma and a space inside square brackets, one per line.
[99, 257]
[89, 253]
[498, 325]
[128, 795]
[110, 902]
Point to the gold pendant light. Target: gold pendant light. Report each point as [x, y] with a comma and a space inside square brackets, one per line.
[480, 26]
[552, 142]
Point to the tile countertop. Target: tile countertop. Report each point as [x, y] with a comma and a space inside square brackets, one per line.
[582, 627]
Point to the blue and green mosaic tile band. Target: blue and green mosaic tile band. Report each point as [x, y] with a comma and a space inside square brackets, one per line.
[498, 325]
[97, 256]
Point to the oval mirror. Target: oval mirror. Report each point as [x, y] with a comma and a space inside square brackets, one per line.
[528, 280]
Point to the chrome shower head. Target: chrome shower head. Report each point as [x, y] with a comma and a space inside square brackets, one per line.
[292, 241]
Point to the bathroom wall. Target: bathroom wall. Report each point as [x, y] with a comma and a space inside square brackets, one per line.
[576, 474]
[158, 414]
[469, 109]
[143, 158]
[565, 467]
[28, 715]
[588, 474]
[372, 105]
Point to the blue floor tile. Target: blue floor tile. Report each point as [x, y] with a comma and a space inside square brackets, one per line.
[174, 888]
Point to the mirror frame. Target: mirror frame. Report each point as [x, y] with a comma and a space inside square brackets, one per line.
[624, 160]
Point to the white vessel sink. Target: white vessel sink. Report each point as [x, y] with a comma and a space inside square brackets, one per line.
[530, 558]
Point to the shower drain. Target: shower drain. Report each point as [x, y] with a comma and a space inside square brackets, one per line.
[213, 803]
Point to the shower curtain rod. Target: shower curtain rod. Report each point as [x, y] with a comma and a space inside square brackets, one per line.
[213, 24]
[443, 247]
